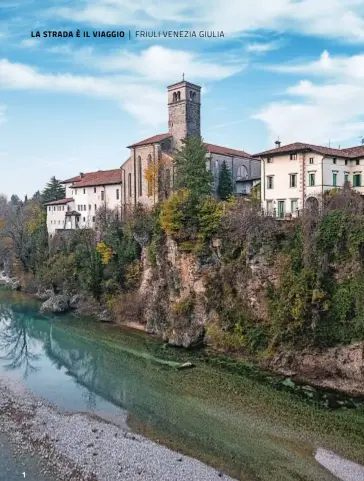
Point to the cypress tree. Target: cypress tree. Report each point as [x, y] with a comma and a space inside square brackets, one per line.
[225, 188]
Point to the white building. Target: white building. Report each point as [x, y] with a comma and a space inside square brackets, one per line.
[298, 174]
[85, 194]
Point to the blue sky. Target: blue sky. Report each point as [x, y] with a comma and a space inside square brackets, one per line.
[293, 68]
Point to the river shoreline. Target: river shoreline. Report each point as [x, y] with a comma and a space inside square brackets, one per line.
[84, 447]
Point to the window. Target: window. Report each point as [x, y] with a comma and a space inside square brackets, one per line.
[140, 176]
[269, 206]
[294, 206]
[293, 180]
[117, 194]
[93, 219]
[129, 184]
[242, 172]
[89, 207]
[356, 180]
[357, 162]
[346, 177]
[84, 208]
[102, 195]
[269, 160]
[95, 190]
[293, 156]
[311, 179]
[75, 191]
[78, 207]
[346, 161]
[62, 207]
[84, 191]
[84, 219]
[334, 160]
[311, 160]
[49, 208]
[334, 179]
[270, 182]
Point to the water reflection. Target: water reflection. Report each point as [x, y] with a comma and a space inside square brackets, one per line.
[15, 342]
[234, 423]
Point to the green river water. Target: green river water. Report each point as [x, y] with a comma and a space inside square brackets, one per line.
[249, 424]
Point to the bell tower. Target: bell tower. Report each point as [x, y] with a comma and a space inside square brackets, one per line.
[184, 111]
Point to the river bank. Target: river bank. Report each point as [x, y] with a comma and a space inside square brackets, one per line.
[79, 446]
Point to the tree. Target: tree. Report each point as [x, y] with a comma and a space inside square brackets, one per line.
[14, 200]
[191, 170]
[54, 190]
[225, 188]
[255, 194]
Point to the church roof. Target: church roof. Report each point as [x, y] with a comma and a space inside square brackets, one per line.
[60, 202]
[151, 140]
[218, 149]
[71, 180]
[101, 177]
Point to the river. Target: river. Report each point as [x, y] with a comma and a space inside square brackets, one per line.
[251, 425]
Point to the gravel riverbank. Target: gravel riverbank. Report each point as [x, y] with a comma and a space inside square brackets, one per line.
[82, 447]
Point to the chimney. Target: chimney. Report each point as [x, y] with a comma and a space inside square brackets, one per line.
[278, 143]
[82, 175]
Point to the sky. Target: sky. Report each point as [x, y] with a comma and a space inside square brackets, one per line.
[292, 69]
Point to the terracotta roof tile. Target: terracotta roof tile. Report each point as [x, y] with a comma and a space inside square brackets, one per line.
[357, 151]
[151, 140]
[297, 146]
[60, 202]
[217, 149]
[71, 180]
[101, 177]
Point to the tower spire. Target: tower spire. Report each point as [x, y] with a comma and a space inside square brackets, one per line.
[183, 77]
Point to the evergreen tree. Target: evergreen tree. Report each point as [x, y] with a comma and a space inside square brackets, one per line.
[191, 170]
[54, 190]
[14, 200]
[225, 188]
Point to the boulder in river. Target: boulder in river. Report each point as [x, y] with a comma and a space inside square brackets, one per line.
[56, 304]
[44, 295]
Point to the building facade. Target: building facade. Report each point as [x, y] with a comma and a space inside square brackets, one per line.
[85, 195]
[297, 175]
[130, 185]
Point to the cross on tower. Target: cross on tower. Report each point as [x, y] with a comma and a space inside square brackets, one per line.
[183, 77]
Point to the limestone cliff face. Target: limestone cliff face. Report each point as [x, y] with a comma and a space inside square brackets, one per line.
[175, 294]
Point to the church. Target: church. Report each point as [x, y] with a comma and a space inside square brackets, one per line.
[184, 119]
[130, 185]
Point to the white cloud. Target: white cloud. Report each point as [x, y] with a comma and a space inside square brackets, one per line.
[326, 66]
[29, 42]
[127, 12]
[341, 19]
[263, 47]
[142, 101]
[332, 109]
[165, 64]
